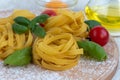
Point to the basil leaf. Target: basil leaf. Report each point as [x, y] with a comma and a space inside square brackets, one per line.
[92, 23]
[22, 20]
[39, 19]
[39, 31]
[17, 28]
[93, 50]
[19, 58]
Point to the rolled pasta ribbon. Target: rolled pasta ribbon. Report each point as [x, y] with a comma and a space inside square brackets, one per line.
[16, 13]
[24, 13]
[70, 22]
[56, 51]
[9, 41]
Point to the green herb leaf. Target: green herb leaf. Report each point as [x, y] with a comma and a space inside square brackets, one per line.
[93, 50]
[92, 23]
[39, 31]
[19, 58]
[22, 21]
[39, 19]
[17, 28]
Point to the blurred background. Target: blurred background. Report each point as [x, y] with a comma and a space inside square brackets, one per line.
[31, 4]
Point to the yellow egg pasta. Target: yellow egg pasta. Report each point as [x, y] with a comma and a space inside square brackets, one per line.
[3, 21]
[59, 50]
[24, 13]
[56, 51]
[16, 13]
[9, 41]
[70, 22]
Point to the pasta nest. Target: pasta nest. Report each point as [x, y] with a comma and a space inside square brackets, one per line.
[69, 22]
[56, 51]
[9, 41]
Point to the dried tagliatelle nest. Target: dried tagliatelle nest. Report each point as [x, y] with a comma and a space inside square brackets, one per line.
[10, 41]
[56, 52]
[59, 50]
[68, 21]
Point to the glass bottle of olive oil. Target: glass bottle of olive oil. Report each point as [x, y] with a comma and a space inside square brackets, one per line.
[107, 12]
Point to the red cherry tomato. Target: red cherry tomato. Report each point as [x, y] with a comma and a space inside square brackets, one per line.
[42, 25]
[99, 35]
[49, 12]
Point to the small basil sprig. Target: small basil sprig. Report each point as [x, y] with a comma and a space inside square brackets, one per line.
[19, 58]
[93, 50]
[92, 23]
[36, 28]
[39, 19]
[22, 25]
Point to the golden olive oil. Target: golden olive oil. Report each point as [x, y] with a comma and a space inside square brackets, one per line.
[109, 16]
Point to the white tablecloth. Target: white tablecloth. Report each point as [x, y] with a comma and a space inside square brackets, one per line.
[31, 4]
